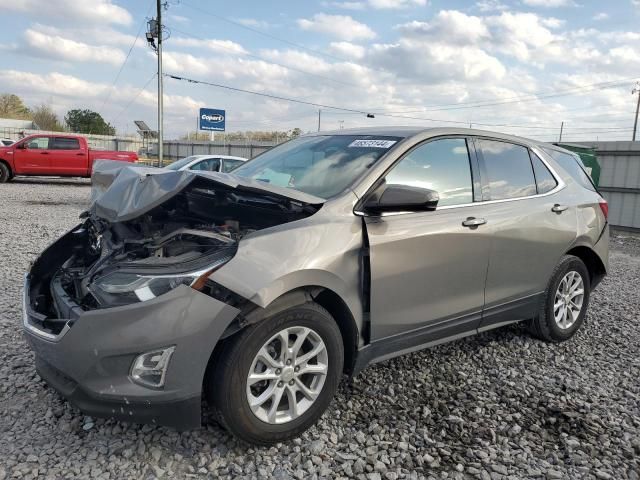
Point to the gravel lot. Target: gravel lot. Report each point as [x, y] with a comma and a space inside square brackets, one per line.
[499, 405]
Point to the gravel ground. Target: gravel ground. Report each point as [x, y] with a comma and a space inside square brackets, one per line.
[499, 405]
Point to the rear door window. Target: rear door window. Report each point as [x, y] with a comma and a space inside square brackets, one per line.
[508, 169]
[207, 165]
[440, 165]
[61, 143]
[545, 181]
[573, 167]
[228, 165]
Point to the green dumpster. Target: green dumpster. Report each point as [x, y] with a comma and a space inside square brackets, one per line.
[588, 157]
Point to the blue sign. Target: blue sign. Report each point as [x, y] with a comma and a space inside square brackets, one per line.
[212, 119]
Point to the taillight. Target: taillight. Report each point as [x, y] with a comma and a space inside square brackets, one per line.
[604, 206]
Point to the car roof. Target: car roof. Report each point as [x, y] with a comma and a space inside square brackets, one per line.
[407, 132]
[214, 155]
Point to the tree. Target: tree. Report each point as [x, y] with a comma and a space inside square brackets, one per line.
[46, 118]
[88, 121]
[295, 133]
[12, 106]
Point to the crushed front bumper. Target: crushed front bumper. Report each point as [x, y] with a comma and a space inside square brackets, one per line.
[88, 361]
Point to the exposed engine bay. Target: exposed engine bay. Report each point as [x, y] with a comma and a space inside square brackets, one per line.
[102, 264]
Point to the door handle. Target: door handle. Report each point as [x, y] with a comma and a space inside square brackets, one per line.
[557, 208]
[79, 154]
[44, 153]
[473, 222]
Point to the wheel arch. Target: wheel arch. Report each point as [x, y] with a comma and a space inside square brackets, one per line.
[323, 296]
[593, 262]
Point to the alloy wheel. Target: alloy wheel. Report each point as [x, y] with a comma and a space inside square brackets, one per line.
[287, 375]
[568, 300]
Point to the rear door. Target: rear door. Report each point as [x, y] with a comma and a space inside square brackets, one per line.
[532, 223]
[34, 158]
[427, 268]
[68, 157]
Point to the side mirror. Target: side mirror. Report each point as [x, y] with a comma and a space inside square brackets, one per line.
[21, 146]
[401, 198]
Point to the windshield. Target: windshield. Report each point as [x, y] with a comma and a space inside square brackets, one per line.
[320, 165]
[178, 164]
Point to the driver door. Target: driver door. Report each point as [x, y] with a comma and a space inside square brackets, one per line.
[34, 158]
[428, 270]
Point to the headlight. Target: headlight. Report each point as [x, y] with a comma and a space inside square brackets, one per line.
[125, 287]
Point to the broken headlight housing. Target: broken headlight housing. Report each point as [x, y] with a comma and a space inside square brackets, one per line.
[123, 287]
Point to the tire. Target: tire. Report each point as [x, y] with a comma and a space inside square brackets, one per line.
[227, 388]
[5, 173]
[546, 326]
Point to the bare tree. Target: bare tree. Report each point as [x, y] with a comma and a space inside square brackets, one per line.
[46, 119]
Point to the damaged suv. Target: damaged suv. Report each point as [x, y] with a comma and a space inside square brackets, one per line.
[260, 288]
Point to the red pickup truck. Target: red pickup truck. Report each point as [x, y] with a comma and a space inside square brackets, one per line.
[54, 155]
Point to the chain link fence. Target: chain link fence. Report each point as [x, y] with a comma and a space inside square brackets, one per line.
[148, 150]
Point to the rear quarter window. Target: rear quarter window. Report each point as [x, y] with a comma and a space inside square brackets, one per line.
[573, 166]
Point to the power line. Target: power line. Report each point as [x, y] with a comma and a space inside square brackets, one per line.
[454, 106]
[258, 57]
[265, 34]
[144, 21]
[146, 84]
[345, 109]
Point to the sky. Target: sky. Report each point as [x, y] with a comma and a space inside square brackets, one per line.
[515, 66]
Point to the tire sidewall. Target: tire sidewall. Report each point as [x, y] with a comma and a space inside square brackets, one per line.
[231, 391]
[5, 173]
[570, 264]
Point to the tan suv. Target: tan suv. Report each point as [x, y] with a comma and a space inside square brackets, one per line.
[328, 253]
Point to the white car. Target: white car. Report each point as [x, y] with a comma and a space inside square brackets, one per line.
[5, 142]
[210, 163]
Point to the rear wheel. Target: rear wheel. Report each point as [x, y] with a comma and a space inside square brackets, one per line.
[5, 173]
[565, 301]
[276, 378]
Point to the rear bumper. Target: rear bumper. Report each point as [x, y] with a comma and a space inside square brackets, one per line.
[88, 361]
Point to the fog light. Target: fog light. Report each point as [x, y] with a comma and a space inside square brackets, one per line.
[150, 369]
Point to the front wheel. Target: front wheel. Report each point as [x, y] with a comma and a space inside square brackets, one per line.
[5, 173]
[564, 303]
[275, 378]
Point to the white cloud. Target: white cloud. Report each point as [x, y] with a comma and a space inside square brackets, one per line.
[448, 26]
[438, 62]
[252, 22]
[491, 5]
[549, 3]
[376, 4]
[223, 46]
[552, 22]
[389, 4]
[339, 26]
[56, 47]
[94, 11]
[348, 49]
[601, 16]
[87, 34]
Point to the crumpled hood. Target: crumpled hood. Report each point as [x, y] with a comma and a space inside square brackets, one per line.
[121, 191]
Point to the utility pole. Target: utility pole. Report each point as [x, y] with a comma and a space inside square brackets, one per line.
[561, 129]
[635, 124]
[319, 113]
[154, 33]
[160, 94]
